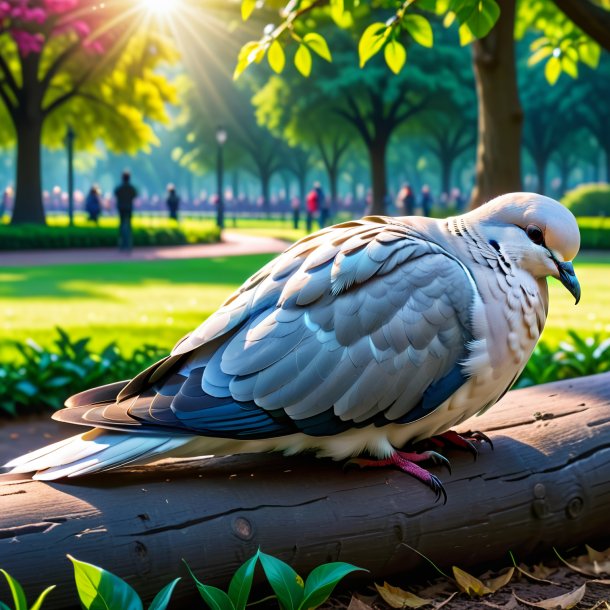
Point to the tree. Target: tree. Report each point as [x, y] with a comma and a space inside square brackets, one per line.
[595, 116]
[491, 24]
[77, 62]
[549, 118]
[288, 108]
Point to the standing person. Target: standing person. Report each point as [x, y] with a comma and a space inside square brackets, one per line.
[426, 200]
[4, 202]
[93, 204]
[406, 200]
[323, 205]
[172, 202]
[125, 194]
[312, 205]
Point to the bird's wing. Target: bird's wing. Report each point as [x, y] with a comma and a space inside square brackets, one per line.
[368, 322]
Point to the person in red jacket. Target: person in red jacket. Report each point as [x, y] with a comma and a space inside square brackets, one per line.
[312, 205]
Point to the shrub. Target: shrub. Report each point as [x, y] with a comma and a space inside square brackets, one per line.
[45, 378]
[31, 237]
[594, 232]
[588, 200]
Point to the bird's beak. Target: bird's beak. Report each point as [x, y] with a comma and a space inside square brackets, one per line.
[568, 278]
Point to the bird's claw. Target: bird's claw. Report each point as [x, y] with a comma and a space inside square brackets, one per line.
[408, 462]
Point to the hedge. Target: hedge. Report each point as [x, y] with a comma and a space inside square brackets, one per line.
[588, 200]
[32, 237]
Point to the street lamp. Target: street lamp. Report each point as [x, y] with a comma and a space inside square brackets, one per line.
[221, 138]
[70, 135]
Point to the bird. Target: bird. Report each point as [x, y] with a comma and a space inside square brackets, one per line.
[359, 340]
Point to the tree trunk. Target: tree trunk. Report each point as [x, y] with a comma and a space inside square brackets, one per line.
[28, 206]
[498, 167]
[265, 183]
[541, 173]
[446, 172]
[333, 178]
[377, 153]
[545, 485]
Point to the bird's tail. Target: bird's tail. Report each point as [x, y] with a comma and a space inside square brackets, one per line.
[95, 451]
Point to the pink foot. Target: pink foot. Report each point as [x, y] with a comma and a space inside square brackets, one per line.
[461, 441]
[407, 462]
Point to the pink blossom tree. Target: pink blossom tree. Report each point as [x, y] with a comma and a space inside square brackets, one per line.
[85, 63]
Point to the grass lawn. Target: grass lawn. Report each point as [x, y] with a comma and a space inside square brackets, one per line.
[158, 302]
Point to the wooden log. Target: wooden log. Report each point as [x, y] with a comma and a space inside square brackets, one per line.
[547, 483]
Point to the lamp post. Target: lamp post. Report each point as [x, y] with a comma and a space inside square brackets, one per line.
[221, 138]
[70, 135]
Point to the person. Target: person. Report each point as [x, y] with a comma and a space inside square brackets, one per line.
[173, 202]
[406, 200]
[4, 202]
[426, 200]
[93, 204]
[125, 194]
[312, 205]
[323, 205]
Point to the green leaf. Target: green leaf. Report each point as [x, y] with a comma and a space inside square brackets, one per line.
[241, 583]
[162, 598]
[247, 54]
[371, 41]
[276, 57]
[395, 56]
[284, 581]
[38, 603]
[247, 7]
[302, 60]
[569, 66]
[318, 45]
[17, 592]
[589, 53]
[3, 606]
[476, 19]
[215, 598]
[420, 29]
[552, 70]
[321, 582]
[99, 589]
[539, 55]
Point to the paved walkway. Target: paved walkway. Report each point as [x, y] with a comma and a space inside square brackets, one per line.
[232, 244]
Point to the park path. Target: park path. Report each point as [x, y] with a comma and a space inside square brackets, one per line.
[232, 244]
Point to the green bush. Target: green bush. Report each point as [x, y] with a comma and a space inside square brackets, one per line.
[594, 233]
[45, 378]
[31, 237]
[588, 200]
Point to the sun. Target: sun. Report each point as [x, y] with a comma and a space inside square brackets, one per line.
[160, 7]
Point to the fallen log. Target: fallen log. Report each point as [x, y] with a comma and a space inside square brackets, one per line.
[547, 483]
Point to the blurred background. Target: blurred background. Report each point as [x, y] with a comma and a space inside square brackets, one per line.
[258, 120]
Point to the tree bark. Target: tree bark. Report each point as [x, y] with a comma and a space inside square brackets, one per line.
[546, 484]
[377, 154]
[265, 183]
[28, 122]
[446, 171]
[500, 120]
[28, 206]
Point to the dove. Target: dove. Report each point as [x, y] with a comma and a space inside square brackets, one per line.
[357, 341]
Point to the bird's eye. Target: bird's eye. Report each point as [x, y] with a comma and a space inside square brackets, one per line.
[535, 234]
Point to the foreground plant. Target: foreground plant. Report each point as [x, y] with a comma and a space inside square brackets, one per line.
[290, 590]
[99, 589]
[19, 599]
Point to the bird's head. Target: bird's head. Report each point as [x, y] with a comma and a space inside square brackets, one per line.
[537, 232]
